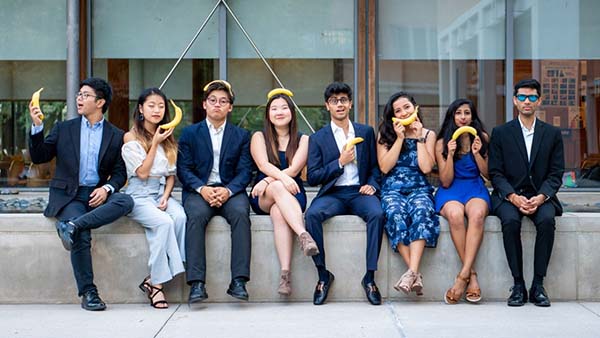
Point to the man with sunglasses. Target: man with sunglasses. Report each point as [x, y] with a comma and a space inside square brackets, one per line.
[84, 192]
[214, 167]
[349, 179]
[526, 165]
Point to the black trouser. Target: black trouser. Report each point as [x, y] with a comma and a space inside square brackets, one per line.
[237, 213]
[346, 200]
[543, 219]
[87, 218]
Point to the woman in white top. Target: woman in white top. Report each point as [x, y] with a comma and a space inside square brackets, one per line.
[150, 154]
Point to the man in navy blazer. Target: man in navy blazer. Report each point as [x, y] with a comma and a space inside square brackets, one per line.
[214, 167]
[526, 165]
[349, 180]
[89, 173]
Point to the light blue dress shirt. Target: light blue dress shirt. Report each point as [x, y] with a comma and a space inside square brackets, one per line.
[89, 145]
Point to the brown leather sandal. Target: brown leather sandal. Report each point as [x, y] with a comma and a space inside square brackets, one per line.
[450, 297]
[473, 295]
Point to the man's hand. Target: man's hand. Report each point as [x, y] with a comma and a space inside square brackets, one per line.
[367, 190]
[222, 195]
[347, 156]
[36, 114]
[215, 196]
[97, 197]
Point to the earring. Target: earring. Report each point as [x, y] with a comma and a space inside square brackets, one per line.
[141, 117]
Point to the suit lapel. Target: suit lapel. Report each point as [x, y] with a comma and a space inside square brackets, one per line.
[358, 132]
[331, 142]
[538, 136]
[107, 135]
[205, 134]
[226, 136]
[76, 138]
[518, 137]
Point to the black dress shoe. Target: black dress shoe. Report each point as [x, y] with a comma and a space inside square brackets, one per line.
[538, 296]
[66, 232]
[92, 302]
[518, 297]
[373, 295]
[237, 289]
[197, 292]
[321, 290]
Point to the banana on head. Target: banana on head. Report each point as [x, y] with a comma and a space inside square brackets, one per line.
[276, 91]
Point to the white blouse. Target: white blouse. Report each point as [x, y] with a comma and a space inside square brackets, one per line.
[134, 154]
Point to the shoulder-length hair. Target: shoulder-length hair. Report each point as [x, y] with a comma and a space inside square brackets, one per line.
[144, 136]
[449, 126]
[386, 127]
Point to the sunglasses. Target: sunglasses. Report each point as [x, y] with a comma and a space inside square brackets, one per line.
[532, 98]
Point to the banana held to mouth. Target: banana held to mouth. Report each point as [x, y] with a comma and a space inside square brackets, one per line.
[462, 130]
[405, 122]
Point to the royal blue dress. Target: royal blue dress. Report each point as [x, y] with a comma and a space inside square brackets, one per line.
[467, 184]
[301, 196]
[407, 200]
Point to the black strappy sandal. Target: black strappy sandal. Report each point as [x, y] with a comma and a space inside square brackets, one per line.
[151, 291]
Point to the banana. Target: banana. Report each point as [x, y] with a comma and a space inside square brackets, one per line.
[276, 91]
[222, 81]
[176, 119]
[405, 122]
[353, 142]
[35, 101]
[464, 129]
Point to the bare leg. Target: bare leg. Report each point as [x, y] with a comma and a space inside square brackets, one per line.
[416, 252]
[284, 238]
[476, 210]
[290, 210]
[405, 253]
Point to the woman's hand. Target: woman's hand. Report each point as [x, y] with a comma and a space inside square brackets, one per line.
[451, 147]
[163, 203]
[476, 146]
[161, 135]
[399, 129]
[259, 188]
[290, 185]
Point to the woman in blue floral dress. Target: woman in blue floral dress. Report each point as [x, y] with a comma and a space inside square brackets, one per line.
[405, 155]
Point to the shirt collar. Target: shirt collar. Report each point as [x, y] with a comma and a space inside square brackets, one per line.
[335, 129]
[85, 122]
[524, 129]
[216, 130]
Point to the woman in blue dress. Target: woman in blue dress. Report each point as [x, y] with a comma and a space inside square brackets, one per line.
[280, 153]
[462, 192]
[405, 155]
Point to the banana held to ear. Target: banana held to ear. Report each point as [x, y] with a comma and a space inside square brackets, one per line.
[35, 101]
[405, 122]
[276, 91]
[176, 119]
[353, 142]
[462, 130]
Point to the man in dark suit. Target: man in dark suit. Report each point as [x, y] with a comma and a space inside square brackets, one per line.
[214, 167]
[349, 179]
[89, 173]
[526, 164]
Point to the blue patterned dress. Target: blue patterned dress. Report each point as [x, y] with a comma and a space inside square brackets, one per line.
[407, 200]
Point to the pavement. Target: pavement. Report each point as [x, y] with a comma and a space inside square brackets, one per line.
[334, 319]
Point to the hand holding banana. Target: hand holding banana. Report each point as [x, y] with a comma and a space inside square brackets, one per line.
[412, 118]
[34, 106]
[348, 153]
[176, 119]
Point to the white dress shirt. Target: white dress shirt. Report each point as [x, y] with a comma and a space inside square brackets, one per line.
[528, 136]
[350, 175]
[216, 138]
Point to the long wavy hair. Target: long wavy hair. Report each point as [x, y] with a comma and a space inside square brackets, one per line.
[449, 126]
[144, 136]
[271, 139]
[386, 127]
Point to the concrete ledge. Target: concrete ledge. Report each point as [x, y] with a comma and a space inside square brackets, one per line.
[36, 268]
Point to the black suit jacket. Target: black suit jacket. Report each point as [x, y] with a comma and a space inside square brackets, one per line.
[195, 160]
[323, 156]
[511, 172]
[63, 142]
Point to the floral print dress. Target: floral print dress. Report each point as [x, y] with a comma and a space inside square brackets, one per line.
[407, 200]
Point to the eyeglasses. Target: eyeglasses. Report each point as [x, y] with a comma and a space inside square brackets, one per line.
[334, 100]
[213, 101]
[85, 95]
[532, 98]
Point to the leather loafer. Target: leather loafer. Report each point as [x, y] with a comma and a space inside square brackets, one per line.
[518, 296]
[237, 289]
[538, 296]
[197, 292]
[322, 290]
[372, 292]
[92, 302]
[66, 232]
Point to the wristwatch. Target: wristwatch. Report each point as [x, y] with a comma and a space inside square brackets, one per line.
[421, 140]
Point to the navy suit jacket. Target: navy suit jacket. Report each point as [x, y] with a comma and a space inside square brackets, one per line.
[195, 159]
[511, 172]
[63, 142]
[323, 156]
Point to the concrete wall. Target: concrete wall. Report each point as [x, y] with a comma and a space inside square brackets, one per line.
[36, 268]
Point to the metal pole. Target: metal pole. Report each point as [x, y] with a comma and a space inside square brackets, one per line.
[509, 59]
[72, 57]
[222, 43]
[265, 62]
[189, 44]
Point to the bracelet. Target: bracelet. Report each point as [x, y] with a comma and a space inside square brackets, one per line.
[265, 179]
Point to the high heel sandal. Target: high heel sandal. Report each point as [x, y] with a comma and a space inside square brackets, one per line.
[473, 295]
[417, 286]
[151, 292]
[406, 282]
[450, 297]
